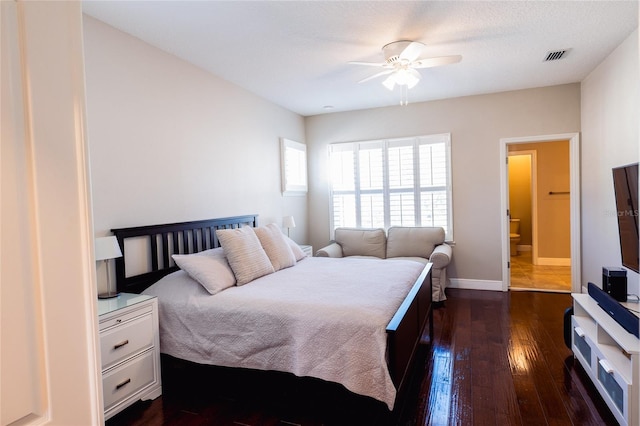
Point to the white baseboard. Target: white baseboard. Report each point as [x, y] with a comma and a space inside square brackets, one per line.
[554, 261]
[469, 284]
[524, 247]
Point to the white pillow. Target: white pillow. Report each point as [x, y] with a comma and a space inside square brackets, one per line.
[276, 247]
[210, 268]
[295, 248]
[245, 254]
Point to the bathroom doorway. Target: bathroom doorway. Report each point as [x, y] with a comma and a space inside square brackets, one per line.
[530, 271]
[541, 198]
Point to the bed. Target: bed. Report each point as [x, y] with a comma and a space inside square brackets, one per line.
[351, 337]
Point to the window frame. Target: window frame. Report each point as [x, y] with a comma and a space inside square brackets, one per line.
[290, 151]
[417, 190]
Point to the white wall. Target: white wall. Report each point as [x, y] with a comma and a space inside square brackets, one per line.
[170, 142]
[476, 124]
[610, 138]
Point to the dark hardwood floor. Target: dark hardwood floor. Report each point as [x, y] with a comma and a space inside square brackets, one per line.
[497, 359]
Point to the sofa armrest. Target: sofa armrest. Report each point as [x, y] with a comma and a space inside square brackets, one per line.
[441, 256]
[332, 250]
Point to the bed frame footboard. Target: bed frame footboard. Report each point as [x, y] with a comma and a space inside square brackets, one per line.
[406, 329]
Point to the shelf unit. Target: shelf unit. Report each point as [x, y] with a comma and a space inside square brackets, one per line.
[610, 355]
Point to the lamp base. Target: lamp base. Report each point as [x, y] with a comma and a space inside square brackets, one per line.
[108, 295]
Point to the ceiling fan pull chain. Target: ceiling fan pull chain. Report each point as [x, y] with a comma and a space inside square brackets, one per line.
[404, 95]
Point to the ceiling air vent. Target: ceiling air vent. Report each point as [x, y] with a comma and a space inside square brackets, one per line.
[554, 56]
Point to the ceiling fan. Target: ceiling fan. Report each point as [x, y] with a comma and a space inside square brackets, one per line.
[402, 62]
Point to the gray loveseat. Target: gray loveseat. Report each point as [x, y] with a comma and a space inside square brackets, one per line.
[421, 244]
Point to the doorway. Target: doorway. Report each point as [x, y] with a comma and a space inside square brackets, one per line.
[543, 253]
[539, 249]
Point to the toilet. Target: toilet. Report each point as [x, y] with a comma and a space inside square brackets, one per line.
[514, 236]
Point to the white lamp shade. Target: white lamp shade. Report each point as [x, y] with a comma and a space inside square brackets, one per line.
[107, 248]
[402, 77]
[389, 82]
[288, 222]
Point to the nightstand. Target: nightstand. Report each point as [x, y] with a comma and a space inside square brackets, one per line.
[307, 249]
[130, 350]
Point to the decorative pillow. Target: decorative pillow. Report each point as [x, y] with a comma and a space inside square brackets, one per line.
[276, 247]
[245, 254]
[295, 248]
[210, 268]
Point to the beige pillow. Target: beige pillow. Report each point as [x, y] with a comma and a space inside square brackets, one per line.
[210, 268]
[245, 254]
[295, 248]
[362, 242]
[413, 241]
[274, 244]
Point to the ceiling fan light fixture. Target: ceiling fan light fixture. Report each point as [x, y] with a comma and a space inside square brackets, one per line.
[412, 78]
[389, 82]
[402, 77]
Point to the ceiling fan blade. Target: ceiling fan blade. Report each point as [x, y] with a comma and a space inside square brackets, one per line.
[380, 74]
[369, 64]
[436, 62]
[412, 51]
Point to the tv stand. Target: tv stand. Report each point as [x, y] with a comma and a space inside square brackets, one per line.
[610, 355]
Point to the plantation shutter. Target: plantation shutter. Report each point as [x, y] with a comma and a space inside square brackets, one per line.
[396, 182]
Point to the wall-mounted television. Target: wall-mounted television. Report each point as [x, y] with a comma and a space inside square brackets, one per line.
[625, 184]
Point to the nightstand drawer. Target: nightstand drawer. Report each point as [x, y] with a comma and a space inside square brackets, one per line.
[130, 337]
[124, 317]
[124, 381]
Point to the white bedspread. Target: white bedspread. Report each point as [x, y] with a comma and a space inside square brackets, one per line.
[324, 318]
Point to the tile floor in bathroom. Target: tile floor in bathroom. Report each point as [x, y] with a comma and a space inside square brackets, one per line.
[526, 275]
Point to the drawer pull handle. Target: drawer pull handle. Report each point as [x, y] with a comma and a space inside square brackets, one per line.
[605, 366]
[121, 344]
[121, 384]
[579, 332]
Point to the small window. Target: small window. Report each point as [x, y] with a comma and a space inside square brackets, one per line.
[294, 167]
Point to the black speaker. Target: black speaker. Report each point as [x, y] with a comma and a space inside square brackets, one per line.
[614, 282]
[567, 326]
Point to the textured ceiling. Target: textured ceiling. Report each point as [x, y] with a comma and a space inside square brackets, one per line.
[295, 53]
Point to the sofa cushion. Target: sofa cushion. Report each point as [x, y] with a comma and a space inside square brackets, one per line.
[411, 258]
[362, 242]
[413, 241]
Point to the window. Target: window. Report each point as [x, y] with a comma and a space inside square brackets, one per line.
[294, 167]
[402, 182]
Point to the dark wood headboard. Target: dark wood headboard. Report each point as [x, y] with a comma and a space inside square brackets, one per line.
[164, 240]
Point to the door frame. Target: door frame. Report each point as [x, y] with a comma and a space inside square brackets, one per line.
[574, 202]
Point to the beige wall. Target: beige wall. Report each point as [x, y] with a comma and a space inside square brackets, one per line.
[476, 124]
[553, 212]
[610, 137]
[137, 106]
[170, 142]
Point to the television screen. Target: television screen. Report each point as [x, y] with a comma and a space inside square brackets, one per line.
[625, 183]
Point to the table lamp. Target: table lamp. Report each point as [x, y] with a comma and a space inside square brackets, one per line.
[107, 248]
[288, 222]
